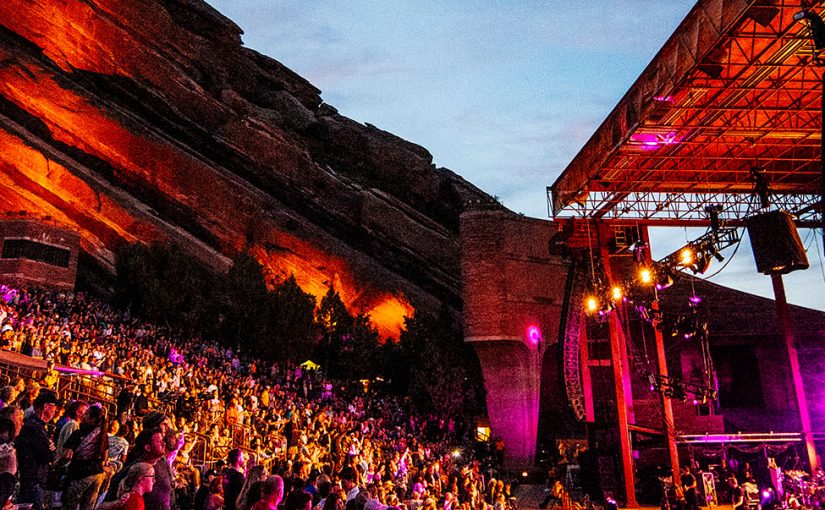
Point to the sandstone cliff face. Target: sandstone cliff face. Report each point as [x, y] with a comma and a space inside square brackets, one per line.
[143, 120]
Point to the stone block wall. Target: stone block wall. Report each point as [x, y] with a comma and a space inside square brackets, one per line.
[511, 283]
[23, 271]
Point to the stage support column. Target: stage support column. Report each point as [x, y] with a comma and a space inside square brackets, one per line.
[670, 431]
[793, 359]
[661, 360]
[617, 358]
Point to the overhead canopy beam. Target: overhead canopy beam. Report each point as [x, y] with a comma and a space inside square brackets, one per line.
[735, 88]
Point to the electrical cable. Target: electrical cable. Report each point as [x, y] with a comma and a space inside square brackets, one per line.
[730, 257]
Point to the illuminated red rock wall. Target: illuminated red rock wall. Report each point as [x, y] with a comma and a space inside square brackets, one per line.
[145, 120]
[511, 284]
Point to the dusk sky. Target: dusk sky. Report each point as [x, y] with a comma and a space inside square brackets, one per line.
[504, 93]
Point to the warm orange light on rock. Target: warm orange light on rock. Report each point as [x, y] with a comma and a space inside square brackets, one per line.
[316, 271]
[388, 315]
[227, 216]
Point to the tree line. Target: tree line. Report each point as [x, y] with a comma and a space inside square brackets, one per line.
[282, 323]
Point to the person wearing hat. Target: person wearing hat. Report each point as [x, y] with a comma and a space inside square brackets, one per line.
[202, 494]
[35, 451]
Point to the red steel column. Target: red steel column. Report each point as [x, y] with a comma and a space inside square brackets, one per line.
[793, 358]
[661, 360]
[666, 404]
[619, 380]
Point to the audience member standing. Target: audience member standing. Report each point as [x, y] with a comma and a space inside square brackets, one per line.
[233, 479]
[35, 451]
[162, 495]
[88, 448]
[272, 494]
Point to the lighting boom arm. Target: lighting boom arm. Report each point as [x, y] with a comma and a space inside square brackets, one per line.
[710, 243]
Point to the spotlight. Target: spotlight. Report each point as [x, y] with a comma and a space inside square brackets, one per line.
[639, 249]
[610, 504]
[534, 335]
[592, 304]
[686, 256]
[616, 293]
[702, 263]
[645, 275]
[653, 381]
[768, 499]
[644, 313]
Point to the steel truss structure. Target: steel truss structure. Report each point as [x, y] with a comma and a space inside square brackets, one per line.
[737, 87]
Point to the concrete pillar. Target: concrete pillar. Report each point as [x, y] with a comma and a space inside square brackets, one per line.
[512, 379]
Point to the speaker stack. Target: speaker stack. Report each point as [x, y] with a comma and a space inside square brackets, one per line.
[776, 246]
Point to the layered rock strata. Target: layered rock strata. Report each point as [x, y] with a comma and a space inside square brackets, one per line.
[147, 120]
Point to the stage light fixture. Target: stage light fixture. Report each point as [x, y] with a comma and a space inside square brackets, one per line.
[591, 304]
[678, 393]
[616, 293]
[702, 263]
[644, 312]
[639, 249]
[686, 256]
[645, 275]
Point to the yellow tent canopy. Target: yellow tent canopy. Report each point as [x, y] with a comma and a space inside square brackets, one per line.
[310, 365]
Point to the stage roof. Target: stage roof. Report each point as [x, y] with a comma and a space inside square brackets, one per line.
[735, 88]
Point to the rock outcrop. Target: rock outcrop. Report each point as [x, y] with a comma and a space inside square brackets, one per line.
[144, 120]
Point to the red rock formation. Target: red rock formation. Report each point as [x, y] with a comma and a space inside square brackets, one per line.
[144, 120]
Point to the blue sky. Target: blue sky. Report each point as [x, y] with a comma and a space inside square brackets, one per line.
[504, 93]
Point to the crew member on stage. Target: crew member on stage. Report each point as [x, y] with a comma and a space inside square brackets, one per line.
[689, 489]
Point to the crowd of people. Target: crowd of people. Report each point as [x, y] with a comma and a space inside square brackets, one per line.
[195, 425]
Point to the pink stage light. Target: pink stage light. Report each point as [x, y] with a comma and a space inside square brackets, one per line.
[652, 141]
[534, 335]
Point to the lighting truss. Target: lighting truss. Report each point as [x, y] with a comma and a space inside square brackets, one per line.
[688, 208]
[673, 387]
[711, 243]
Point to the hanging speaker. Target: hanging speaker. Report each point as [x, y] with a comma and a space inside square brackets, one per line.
[776, 246]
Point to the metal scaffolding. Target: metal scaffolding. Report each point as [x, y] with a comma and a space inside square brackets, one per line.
[736, 88]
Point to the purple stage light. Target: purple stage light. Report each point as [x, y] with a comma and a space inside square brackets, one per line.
[534, 335]
[652, 141]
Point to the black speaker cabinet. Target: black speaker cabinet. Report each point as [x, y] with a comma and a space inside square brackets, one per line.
[777, 248]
